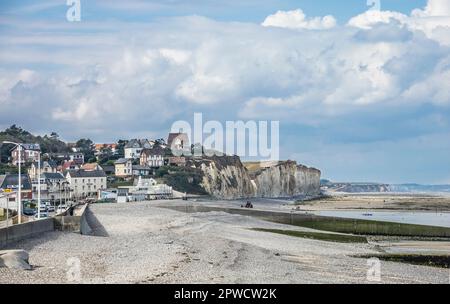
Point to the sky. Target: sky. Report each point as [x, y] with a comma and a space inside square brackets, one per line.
[362, 92]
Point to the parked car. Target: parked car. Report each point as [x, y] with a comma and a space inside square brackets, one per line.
[42, 214]
[29, 211]
[43, 208]
[29, 208]
[60, 209]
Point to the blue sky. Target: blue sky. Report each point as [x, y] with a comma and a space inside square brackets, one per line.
[246, 10]
[362, 95]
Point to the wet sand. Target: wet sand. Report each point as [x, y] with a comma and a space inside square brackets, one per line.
[388, 201]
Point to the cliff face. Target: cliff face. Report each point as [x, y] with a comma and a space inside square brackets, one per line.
[226, 177]
[286, 179]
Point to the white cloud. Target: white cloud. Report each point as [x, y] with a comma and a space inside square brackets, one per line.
[296, 19]
[434, 88]
[434, 8]
[160, 71]
[175, 56]
[80, 112]
[433, 20]
[383, 79]
[372, 17]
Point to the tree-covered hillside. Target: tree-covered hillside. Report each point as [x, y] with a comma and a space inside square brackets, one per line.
[49, 143]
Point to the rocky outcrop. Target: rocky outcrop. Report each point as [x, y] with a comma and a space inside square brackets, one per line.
[226, 177]
[285, 179]
[14, 259]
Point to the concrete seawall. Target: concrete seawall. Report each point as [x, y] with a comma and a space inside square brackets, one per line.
[22, 231]
[73, 223]
[85, 225]
[70, 223]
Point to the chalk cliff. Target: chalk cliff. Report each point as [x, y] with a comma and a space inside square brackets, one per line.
[228, 178]
[285, 179]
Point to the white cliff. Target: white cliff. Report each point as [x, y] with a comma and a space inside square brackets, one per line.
[286, 179]
[226, 177]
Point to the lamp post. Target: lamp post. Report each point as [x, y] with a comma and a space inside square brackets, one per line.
[39, 185]
[7, 212]
[60, 196]
[65, 194]
[19, 193]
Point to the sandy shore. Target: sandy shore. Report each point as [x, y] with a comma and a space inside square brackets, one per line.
[147, 244]
[388, 201]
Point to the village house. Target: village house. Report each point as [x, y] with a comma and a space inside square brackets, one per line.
[139, 170]
[76, 157]
[69, 165]
[84, 184]
[51, 186]
[134, 148]
[178, 141]
[153, 157]
[47, 166]
[73, 147]
[52, 179]
[9, 183]
[177, 161]
[91, 167]
[29, 153]
[109, 170]
[143, 189]
[99, 148]
[123, 167]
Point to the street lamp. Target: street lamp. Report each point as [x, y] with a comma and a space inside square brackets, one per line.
[66, 187]
[19, 197]
[60, 197]
[39, 185]
[62, 184]
[19, 149]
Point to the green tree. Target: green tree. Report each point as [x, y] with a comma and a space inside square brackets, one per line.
[121, 147]
[86, 146]
[7, 169]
